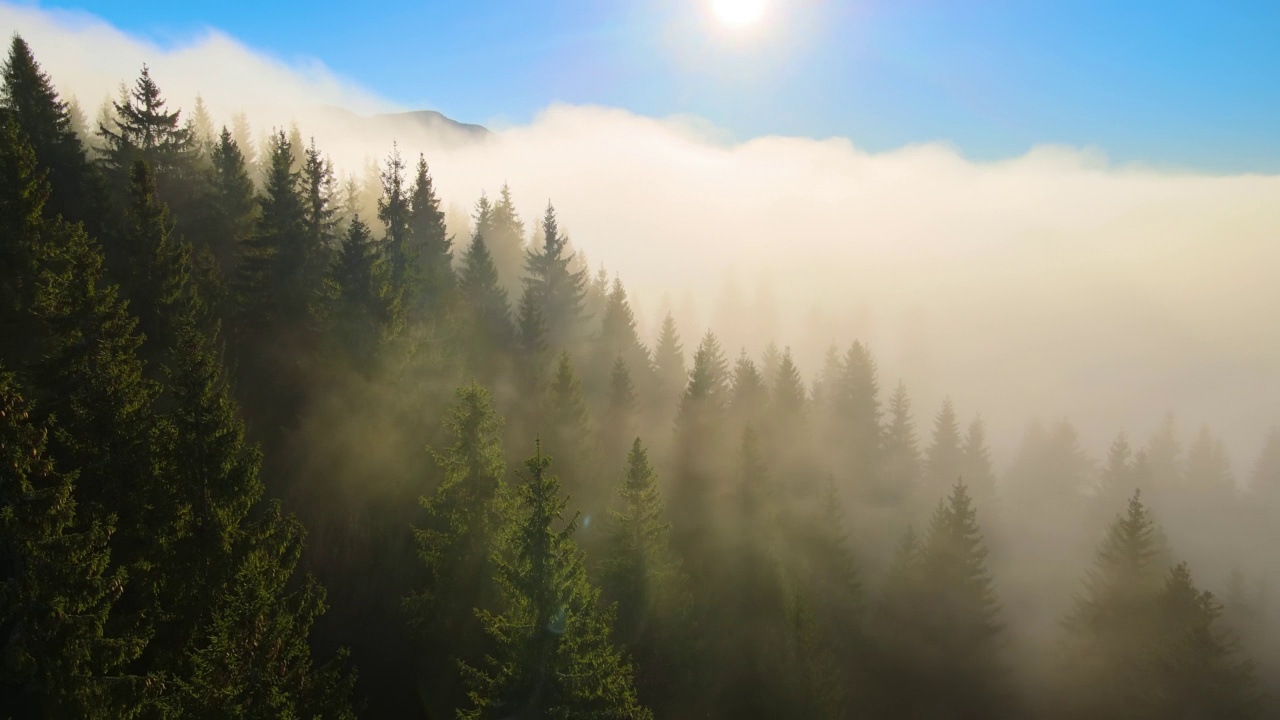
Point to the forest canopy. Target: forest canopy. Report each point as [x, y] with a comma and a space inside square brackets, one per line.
[279, 442]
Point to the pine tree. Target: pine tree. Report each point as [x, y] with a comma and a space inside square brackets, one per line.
[252, 658]
[669, 367]
[143, 127]
[943, 461]
[464, 517]
[364, 312]
[394, 211]
[619, 338]
[567, 428]
[748, 395]
[1202, 672]
[857, 402]
[22, 200]
[58, 587]
[553, 653]
[233, 211]
[620, 414]
[699, 443]
[485, 300]
[319, 214]
[432, 246]
[45, 123]
[900, 470]
[751, 607]
[962, 621]
[787, 399]
[558, 290]
[270, 276]
[158, 262]
[211, 472]
[532, 362]
[975, 465]
[640, 574]
[1110, 629]
[506, 240]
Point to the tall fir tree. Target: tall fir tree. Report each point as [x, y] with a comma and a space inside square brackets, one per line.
[506, 238]
[943, 460]
[567, 432]
[463, 520]
[669, 368]
[485, 302]
[619, 420]
[58, 586]
[640, 573]
[433, 247]
[556, 287]
[554, 655]
[699, 444]
[44, 121]
[233, 211]
[900, 471]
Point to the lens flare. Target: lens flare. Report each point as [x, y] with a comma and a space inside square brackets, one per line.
[738, 13]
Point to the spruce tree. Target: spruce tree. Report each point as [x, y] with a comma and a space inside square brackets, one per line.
[44, 121]
[699, 443]
[319, 214]
[58, 588]
[961, 623]
[1110, 629]
[751, 604]
[641, 575]
[619, 338]
[943, 460]
[464, 517]
[669, 367]
[857, 401]
[975, 465]
[270, 275]
[553, 655]
[567, 429]
[158, 262]
[619, 420]
[394, 211]
[432, 246]
[143, 127]
[748, 394]
[900, 470]
[233, 211]
[363, 312]
[507, 240]
[485, 302]
[555, 286]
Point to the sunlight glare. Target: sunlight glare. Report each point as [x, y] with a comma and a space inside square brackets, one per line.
[738, 13]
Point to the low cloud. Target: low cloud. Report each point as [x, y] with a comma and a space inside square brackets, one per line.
[1049, 284]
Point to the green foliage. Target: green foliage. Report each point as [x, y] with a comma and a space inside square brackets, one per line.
[557, 289]
[432, 245]
[59, 587]
[44, 121]
[944, 459]
[553, 653]
[1145, 644]
[485, 304]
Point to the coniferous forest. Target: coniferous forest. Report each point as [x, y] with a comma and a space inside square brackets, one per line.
[274, 445]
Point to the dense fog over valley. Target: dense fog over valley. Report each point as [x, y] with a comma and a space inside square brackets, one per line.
[831, 433]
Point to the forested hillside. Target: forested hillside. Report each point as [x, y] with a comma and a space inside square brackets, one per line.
[276, 445]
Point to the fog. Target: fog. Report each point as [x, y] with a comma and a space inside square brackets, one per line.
[1054, 280]
[1050, 293]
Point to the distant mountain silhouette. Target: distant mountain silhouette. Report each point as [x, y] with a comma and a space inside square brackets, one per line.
[431, 123]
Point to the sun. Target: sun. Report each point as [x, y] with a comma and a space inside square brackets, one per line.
[738, 13]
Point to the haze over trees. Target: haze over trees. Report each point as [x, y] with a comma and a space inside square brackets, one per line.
[273, 444]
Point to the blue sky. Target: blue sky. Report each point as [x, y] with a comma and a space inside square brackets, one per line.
[1171, 84]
